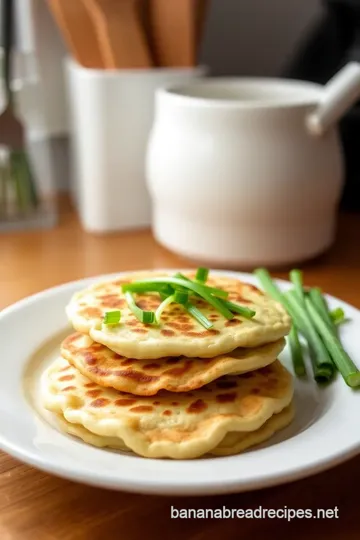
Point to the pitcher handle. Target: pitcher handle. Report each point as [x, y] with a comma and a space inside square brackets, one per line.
[339, 94]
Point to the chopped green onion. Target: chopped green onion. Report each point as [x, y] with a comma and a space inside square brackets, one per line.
[143, 287]
[202, 290]
[181, 297]
[343, 362]
[163, 306]
[180, 289]
[112, 317]
[338, 316]
[220, 293]
[181, 276]
[320, 304]
[296, 352]
[322, 365]
[200, 317]
[167, 289]
[146, 317]
[297, 280]
[190, 308]
[202, 275]
[246, 312]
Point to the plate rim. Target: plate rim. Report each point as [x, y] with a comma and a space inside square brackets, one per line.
[149, 486]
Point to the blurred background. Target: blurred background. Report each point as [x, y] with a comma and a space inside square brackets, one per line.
[241, 37]
[289, 38]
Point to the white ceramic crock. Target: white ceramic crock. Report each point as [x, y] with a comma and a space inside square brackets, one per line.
[111, 114]
[248, 171]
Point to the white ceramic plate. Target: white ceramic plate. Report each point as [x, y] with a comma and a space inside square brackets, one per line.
[325, 432]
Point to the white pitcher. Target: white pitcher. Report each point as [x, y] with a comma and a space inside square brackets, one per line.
[248, 172]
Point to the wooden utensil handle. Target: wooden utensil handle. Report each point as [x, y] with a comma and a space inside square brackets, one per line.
[120, 34]
[173, 31]
[78, 31]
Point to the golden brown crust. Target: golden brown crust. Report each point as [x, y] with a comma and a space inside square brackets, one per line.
[178, 333]
[147, 377]
[159, 426]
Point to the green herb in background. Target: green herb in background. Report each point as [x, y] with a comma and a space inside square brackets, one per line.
[296, 352]
[297, 279]
[322, 365]
[313, 320]
[320, 304]
[343, 362]
[272, 290]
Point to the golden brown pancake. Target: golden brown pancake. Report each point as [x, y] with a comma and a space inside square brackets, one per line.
[233, 443]
[179, 333]
[175, 374]
[179, 426]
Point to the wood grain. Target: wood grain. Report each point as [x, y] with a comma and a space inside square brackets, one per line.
[78, 31]
[36, 506]
[175, 29]
[120, 34]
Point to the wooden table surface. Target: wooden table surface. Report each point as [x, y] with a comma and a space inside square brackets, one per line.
[35, 505]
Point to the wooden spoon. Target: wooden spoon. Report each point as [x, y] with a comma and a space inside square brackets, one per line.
[78, 31]
[122, 40]
[173, 28]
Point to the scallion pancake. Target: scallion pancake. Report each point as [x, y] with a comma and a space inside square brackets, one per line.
[178, 334]
[172, 373]
[178, 426]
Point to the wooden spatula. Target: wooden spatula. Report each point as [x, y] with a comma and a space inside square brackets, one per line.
[174, 28]
[78, 31]
[122, 39]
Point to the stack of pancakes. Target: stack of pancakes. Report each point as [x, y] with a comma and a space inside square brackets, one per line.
[175, 389]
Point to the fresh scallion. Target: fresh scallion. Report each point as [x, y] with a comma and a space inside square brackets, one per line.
[337, 316]
[203, 291]
[245, 312]
[296, 352]
[297, 279]
[146, 317]
[341, 359]
[181, 296]
[164, 304]
[181, 276]
[200, 317]
[272, 290]
[321, 362]
[112, 317]
[167, 289]
[220, 293]
[202, 275]
[320, 304]
[268, 285]
[144, 287]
